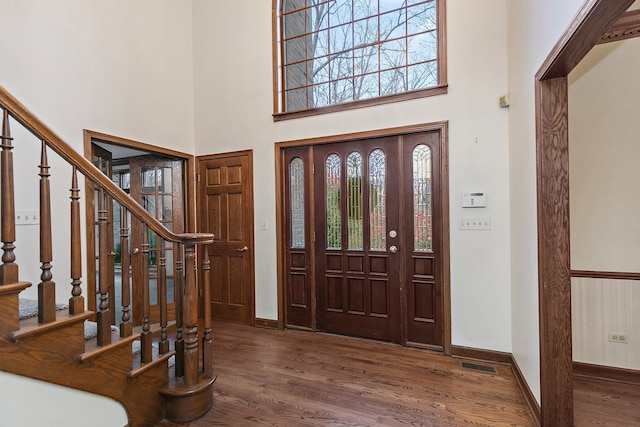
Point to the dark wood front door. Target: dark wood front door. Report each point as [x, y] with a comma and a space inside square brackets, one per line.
[225, 196]
[372, 239]
[356, 263]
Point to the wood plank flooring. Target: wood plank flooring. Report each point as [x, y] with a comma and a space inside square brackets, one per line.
[298, 378]
[605, 403]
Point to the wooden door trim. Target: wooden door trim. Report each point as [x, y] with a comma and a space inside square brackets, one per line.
[442, 129]
[250, 213]
[593, 20]
[89, 137]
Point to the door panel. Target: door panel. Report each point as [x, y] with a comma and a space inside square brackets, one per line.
[357, 283]
[157, 184]
[225, 209]
[423, 239]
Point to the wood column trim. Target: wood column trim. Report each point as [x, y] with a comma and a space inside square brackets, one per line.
[627, 27]
[554, 278]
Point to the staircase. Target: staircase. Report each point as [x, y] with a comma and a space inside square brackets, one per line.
[52, 346]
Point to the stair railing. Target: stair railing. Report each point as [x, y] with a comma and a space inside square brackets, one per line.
[190, 350]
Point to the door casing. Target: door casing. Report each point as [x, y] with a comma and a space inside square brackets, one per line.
[137, 148]
[442, 129]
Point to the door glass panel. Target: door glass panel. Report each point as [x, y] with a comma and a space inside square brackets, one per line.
[422, 199]
[148, 179]
[296, 196]
[164, 180]
[354, 200]
[334, 216]
[167, 208]
[377, 208]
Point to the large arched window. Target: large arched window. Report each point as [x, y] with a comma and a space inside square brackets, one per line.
[337, 54]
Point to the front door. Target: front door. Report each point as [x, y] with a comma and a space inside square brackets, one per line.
[376, 235]
[225, 195]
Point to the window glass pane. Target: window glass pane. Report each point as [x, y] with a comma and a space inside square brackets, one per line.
[296, 197]
[393, 54]
[422, 219]
[393, 24]
[339, 12]
[294, 24]
[422, 47]
[354, 200]
[342, 39]
[377, 200]
[366, 86]
[333, 207]
[387, 5]
[426, 73]
[393, 81]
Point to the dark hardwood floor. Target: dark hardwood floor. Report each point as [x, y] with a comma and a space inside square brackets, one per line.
[605, 403]
[299, 378]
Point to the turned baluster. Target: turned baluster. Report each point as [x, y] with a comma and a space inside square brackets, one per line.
[104, 313]
[126, 327]
[179, 301]
[163, 345]
[8, 269]
[190, 319]
[46, 287]
[146, 353]
[207, 344]
[76, 302]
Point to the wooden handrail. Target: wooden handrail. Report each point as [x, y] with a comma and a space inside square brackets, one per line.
[27, 119]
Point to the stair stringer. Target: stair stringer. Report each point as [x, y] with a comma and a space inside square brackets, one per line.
[54, 357]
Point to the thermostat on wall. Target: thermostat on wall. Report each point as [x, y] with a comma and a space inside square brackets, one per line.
[476, 199]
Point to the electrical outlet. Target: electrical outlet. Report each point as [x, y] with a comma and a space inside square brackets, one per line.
[618, 337]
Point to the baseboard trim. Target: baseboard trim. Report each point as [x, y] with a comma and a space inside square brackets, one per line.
[534, 406]
[502, 358]
[266, 323]
[481, 354]
[607, 373]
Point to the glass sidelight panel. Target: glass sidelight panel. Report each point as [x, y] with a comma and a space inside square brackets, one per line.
[422, 199]
[377, 198]
[296, 200]
[333, 172]
[354, 200]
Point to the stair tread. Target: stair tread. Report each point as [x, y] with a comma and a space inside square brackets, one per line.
[30, 327]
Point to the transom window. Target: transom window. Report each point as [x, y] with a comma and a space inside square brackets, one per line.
[344, 52]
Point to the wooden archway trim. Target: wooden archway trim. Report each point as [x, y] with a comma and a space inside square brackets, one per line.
[593, 20]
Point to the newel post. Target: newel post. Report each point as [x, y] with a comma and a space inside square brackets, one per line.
[190, 316]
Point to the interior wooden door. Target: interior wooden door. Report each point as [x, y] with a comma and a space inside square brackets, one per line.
[357, 238]
[157, 183]
[225, 204]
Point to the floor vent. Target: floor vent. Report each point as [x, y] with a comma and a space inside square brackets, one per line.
[477, 367]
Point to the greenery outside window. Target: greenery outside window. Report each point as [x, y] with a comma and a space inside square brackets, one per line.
[340, 54]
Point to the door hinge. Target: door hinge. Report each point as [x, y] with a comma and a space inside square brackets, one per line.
[198, 176]
[314, 237]
[313, 169]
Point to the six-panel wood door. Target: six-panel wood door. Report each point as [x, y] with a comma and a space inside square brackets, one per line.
[225, 204]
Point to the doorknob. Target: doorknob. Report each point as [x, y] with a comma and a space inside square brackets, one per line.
[136, 250]
[242, 249]
[393, 249]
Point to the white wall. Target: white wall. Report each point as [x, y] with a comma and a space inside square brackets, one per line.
[233, 81]
[120, 67]
[605, 202]
[534, 26]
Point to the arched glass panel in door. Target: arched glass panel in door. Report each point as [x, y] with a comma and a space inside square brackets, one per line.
[422, 199]
[377, 200]
[296, 199]
[333, 175]
[354, 200]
